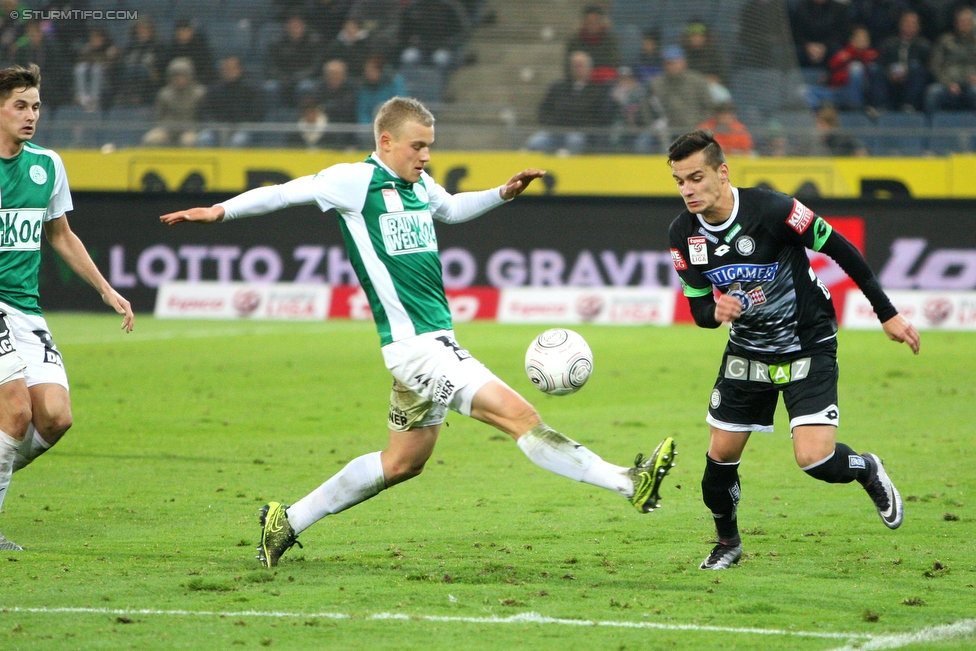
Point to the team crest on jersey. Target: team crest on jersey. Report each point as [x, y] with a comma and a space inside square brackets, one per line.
[38, 175]
[678, 260]
[745, 245]
[800, 217]
[750, 298]
[697, 250]
[392, 200]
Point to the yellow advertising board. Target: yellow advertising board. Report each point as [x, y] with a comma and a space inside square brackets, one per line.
[232, 171]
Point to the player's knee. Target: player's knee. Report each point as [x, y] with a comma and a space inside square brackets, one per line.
[18, 417]
[52, 426]
[403, 469]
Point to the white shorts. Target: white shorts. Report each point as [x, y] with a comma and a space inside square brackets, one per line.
[431, 374]
[34, 349]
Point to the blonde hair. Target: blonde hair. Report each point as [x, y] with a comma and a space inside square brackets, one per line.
[396, 111]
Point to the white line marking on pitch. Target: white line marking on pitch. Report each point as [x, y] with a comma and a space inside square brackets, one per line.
[961, 628]
[522, 618]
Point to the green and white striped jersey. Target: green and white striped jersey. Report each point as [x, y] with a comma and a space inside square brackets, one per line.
[33, 190]
[388, 227]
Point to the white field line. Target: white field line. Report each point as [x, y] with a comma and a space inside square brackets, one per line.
[522, 618]
[961, 628]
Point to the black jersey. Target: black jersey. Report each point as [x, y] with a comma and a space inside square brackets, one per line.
[758, 255]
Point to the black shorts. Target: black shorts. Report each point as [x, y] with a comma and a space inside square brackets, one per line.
[746, 391]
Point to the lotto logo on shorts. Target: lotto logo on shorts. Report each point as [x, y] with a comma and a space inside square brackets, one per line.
[6, 345]
[678, 260]
[801, 217]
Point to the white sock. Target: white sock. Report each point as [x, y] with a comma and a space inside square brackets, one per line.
[361, 479]
[554, 452]
[30, 448]
[8, 448]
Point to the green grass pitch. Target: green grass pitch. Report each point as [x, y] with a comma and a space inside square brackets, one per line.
[140, 526]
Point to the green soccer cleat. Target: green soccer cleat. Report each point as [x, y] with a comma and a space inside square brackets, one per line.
[648, 475]
[277, 536]
[9, 545]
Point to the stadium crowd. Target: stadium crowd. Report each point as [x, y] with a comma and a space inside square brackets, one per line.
[902, 65]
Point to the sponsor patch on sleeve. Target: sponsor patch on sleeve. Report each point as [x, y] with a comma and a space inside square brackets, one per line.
[678, 260]
[800, 217]
[698, 250]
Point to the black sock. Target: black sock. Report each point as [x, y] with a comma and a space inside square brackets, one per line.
[720, 492]
[843, 467]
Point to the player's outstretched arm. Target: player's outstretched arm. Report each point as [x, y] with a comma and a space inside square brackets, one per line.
[73, 252]
[200, 215]
[900, 329]
[519, 182]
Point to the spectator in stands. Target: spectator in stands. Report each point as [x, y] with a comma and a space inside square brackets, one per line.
[820, 28]
[573, 105]
[140, 74]
[312, 125]
[731, 134]
[879, 16]
[339, 102]
[381, 18]
[854, 74]
[639, 119]
[178, 105]
[832, 141]
[232, 100]
[648, 64]
[954, 66]
[903, 61]
[683, 93]
[704, 55]
[352, 45]
[595, 37]
[379, 84]
[34, 46]
[326, 17]
[293, 61]
[431, 31]
[765, 40]
[11, 29]
[191, 44]
[96, 63]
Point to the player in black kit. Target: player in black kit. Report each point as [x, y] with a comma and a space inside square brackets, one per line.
[749, 244]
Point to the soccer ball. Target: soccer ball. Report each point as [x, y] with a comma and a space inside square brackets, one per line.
[558, 362]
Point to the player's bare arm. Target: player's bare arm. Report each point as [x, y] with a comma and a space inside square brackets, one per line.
[517, 184]
[900, 329]
[199, 215]
[73, 252]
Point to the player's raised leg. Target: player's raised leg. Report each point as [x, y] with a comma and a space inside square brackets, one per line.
[820, 455]
[51, 418]
[499, 405]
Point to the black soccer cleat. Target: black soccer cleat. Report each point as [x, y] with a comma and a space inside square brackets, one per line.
[882, 490]
[722, 557]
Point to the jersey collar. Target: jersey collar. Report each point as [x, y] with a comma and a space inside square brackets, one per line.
[715, 228]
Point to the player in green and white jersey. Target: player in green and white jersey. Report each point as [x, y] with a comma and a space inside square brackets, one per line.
[386, 207]
[35, 410]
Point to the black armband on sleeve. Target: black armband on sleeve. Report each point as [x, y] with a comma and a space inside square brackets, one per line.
[703, 310]
[851, 261]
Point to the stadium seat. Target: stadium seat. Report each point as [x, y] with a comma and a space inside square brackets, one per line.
[760, 89]
[860, 126]
[943, 141]
[426, 83]
[901, 134]
[76, 127]
[230, 38]
[801, 131]
[125, 125]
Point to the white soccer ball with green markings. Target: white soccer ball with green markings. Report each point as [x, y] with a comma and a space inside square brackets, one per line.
[559, 362]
